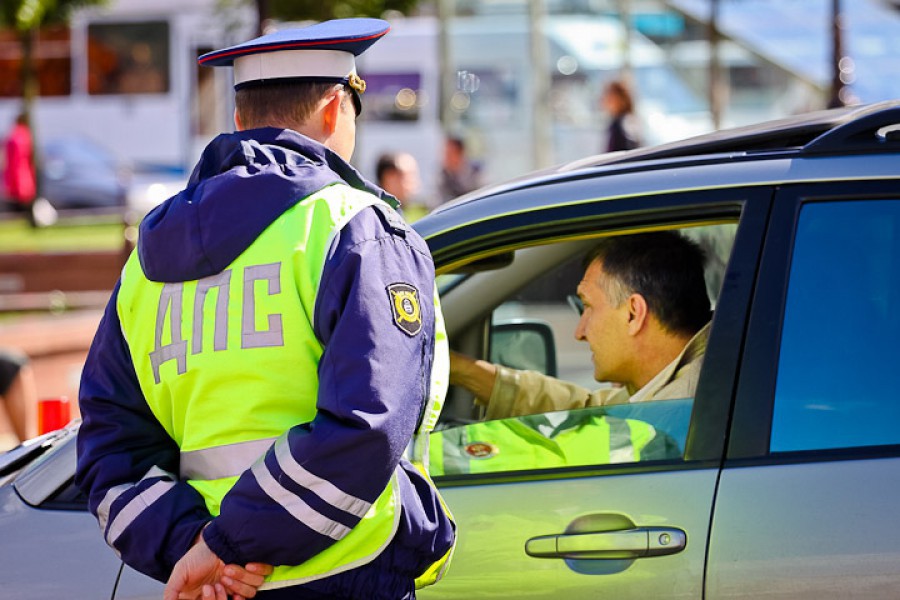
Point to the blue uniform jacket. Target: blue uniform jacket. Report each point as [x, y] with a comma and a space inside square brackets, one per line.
[242, 183]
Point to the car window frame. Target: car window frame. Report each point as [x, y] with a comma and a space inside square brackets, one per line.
[749, 434]
[713, 402]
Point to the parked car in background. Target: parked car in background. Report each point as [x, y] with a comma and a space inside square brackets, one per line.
[77, 172]
[785, 478]
[80, 176]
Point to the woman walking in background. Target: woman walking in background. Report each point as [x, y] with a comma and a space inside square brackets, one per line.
[623, 131]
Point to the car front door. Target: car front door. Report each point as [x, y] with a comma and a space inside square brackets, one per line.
[624, 528]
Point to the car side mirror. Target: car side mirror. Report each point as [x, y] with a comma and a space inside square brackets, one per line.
[525, 345]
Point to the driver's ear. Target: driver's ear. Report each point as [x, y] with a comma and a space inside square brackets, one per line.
[638, 312]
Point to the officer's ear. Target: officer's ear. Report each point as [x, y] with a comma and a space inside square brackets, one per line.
[238, 126]
[331, 111]
[638, 313]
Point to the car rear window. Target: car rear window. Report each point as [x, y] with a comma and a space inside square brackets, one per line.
[837, 369]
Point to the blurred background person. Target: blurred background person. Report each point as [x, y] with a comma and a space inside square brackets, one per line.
[18, 399]
[459, 174]
[397, 173]
[19, 176]
[623, 130]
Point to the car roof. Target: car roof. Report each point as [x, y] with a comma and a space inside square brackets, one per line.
[768, 153]
[814, 132]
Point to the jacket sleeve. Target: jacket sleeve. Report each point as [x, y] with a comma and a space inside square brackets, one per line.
[320, 478]
[126, 462]
[517, 393]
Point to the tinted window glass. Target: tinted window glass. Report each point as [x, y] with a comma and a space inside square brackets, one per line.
[837, 370]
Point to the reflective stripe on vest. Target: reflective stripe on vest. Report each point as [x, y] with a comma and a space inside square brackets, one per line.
[193, 363]
[223, 461]
[515, 444]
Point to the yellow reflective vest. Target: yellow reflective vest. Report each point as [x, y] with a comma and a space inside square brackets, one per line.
[198, 384]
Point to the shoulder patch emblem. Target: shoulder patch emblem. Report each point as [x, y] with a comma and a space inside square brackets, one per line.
[405, 307]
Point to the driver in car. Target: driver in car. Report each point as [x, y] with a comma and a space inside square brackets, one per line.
[645, 315]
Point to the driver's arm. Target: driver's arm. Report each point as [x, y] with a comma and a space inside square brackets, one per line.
[510, 392]
[477, 376]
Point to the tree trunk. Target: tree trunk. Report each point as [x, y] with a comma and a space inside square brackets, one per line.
[30, 91]
[837, 95]
[262, 15]
[28, 39]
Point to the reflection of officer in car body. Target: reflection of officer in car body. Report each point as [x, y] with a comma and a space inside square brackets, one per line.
[272, 348]
[546, 441]
[645, 316]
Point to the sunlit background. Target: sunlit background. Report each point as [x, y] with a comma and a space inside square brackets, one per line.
[120, 110]
[518, 81]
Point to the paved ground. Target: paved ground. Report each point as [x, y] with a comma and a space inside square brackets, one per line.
[57, 345]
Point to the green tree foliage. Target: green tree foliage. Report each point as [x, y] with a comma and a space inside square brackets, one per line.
[319, 10]
[26, 15]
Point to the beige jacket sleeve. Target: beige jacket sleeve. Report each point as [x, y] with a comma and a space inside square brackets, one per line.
[518, 393]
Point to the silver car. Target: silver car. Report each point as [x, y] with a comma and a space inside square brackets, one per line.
[783, 482]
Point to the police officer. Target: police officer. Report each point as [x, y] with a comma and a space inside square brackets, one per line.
[271, 349]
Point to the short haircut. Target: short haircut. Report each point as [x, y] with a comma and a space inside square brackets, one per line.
[665, 268]
[285, 104]
[386, 162]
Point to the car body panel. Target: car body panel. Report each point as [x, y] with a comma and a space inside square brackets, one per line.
[495, 521]
[42, 511]
[53, 553]
[133, 585]
[808, 530]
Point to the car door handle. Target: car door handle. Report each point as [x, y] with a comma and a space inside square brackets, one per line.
[610, 545]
